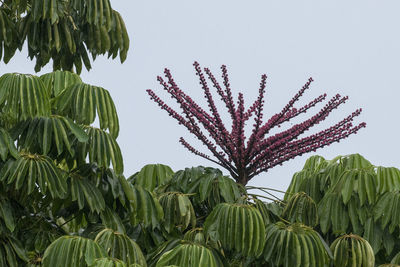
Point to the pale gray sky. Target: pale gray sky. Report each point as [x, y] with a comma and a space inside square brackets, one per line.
[348, 47]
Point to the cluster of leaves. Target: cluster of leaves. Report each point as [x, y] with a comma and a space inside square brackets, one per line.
[353, 196]
[66, 31]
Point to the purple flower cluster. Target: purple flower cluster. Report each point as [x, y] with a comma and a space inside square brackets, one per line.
[245, 158]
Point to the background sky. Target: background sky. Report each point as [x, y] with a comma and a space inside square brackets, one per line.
[348, 47]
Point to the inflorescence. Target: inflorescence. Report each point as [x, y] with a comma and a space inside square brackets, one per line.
[244, 158]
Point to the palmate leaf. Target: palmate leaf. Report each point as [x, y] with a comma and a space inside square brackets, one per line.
[190, 254]
[333, 214]
[72, 251]
[238, 227]
[295, 245]
[30, 171]
[152, 176]
[352, 251]
[111, 220]
[178, 211]
[359, 181]
[387, 210]
[110, 262]
[301, 208]
[85, 192]
[145, 207]
[396, 259]
[23, 96]
[56, 81]
[12, 253]
[43, 134]
[208, 185]
[388, 179]
[270, 212]
[7, 146]
[8, 36]
[82, 102]
[120, 246]
[102, 149]
[7, 213]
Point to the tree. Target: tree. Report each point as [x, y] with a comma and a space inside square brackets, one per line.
[246, 158]
[64, 198]
[65, 31]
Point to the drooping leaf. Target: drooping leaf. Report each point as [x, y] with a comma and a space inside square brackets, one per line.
[83, 103]
[85, 192]
[109, 262]
[152, 176]
[387, 210]
[190, 254]
[23, 96]
[45, 134]
[12, 253]
[301, 208]
[72, 251]
[238, 227]
[178, 211]
[56, 81]
[145, 207]
[295, 245]
[7, 146]
[33, 171]
[120, 246]
[352, 251]
[102, 149]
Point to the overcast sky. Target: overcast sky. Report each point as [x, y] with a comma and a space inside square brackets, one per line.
[348, 47]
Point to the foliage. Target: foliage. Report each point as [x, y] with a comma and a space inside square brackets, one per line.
[65, 31]
[246, 158]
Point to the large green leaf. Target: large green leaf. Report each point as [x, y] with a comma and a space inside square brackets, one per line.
[352, 251]
[44, 134]
[82, 102]
[12, 253]
[238, 227]
[33, 171]
[120, 246]
[102, 149]
[84, 191]
[7, 146]
[72, 251]
[7, 213]
[152, 176]
[56, 81]
[295, 245]
[387, 210]
[190, 255]
[144, 206]
[333, 214]
[110, 262]
[388, 179]
[301, 208]
[178, 211]
[23, 96]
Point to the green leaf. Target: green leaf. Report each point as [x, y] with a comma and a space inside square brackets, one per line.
[283, 243]
[72, 251]
[351, 251]
[23, 96]
[152, 176]
[190, 254]
[57, 81]
[120, 246]
[238, 227]
[34, 172]
[80, 102]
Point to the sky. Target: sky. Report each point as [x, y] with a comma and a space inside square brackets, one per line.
[348, 47]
